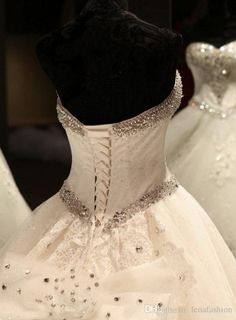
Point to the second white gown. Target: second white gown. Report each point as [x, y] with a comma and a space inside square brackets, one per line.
[201, 139]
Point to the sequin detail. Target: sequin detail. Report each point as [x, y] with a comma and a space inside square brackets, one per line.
[214, 112]
[147, 119]
[75, 206]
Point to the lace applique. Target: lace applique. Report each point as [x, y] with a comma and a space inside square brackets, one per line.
[84, 256]
[175, 256]
[74, 245]
[147, 119]
[44, 245]
[135, 244]
[87, 249]
[225, 159]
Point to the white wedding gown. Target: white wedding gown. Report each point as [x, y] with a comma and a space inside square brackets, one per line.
[122, 239]
[201, 139]
[13, 208]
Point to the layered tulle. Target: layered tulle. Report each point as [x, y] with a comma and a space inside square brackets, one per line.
[169, 257]
[203, 157]
[201, 139]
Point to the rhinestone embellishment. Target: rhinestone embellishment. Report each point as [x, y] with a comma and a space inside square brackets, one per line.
[72, 202]
[153, 116]
[68, 120]
[215, 64]
[75, 206]
[147, 119]
[165, 189]
[214, 112]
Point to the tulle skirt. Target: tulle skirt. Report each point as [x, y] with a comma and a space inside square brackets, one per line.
[166, 262]
[201, 152]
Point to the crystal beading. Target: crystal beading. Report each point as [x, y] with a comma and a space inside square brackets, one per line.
[75, 206]
[214, 112]
[68, 120]
[147, 119]
[72, 202]
[163, 190]
[153, 116]
[215, 64]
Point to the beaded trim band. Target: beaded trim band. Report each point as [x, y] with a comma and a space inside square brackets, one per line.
[73, 203]
[154, 115]
[131, 126]
[214, 112]
[68, 120]
[75, 206]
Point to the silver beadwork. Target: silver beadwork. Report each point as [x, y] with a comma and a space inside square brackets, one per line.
[153, 116]
[72, 202]
[69, 121]
[163, 190]
[214, 112]
[75, 206]
[215, 64]
[147, 119]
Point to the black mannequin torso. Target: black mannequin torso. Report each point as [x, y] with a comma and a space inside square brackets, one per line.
[108, 65]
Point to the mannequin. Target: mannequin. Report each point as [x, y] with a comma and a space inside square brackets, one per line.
[108, 65]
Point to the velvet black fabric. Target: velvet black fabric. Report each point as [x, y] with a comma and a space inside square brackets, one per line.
[217, 27]
[108, 65]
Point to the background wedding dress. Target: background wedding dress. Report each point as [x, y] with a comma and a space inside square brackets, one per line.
[13, 208]
[122, 239]
[201, 139]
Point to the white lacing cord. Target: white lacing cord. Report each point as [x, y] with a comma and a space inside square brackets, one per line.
[102, 157]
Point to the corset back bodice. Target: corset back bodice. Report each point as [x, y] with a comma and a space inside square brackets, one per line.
[214, 72]
[115, 165]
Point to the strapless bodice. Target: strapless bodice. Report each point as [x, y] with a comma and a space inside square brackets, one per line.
[214, 72]
[121, 165]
